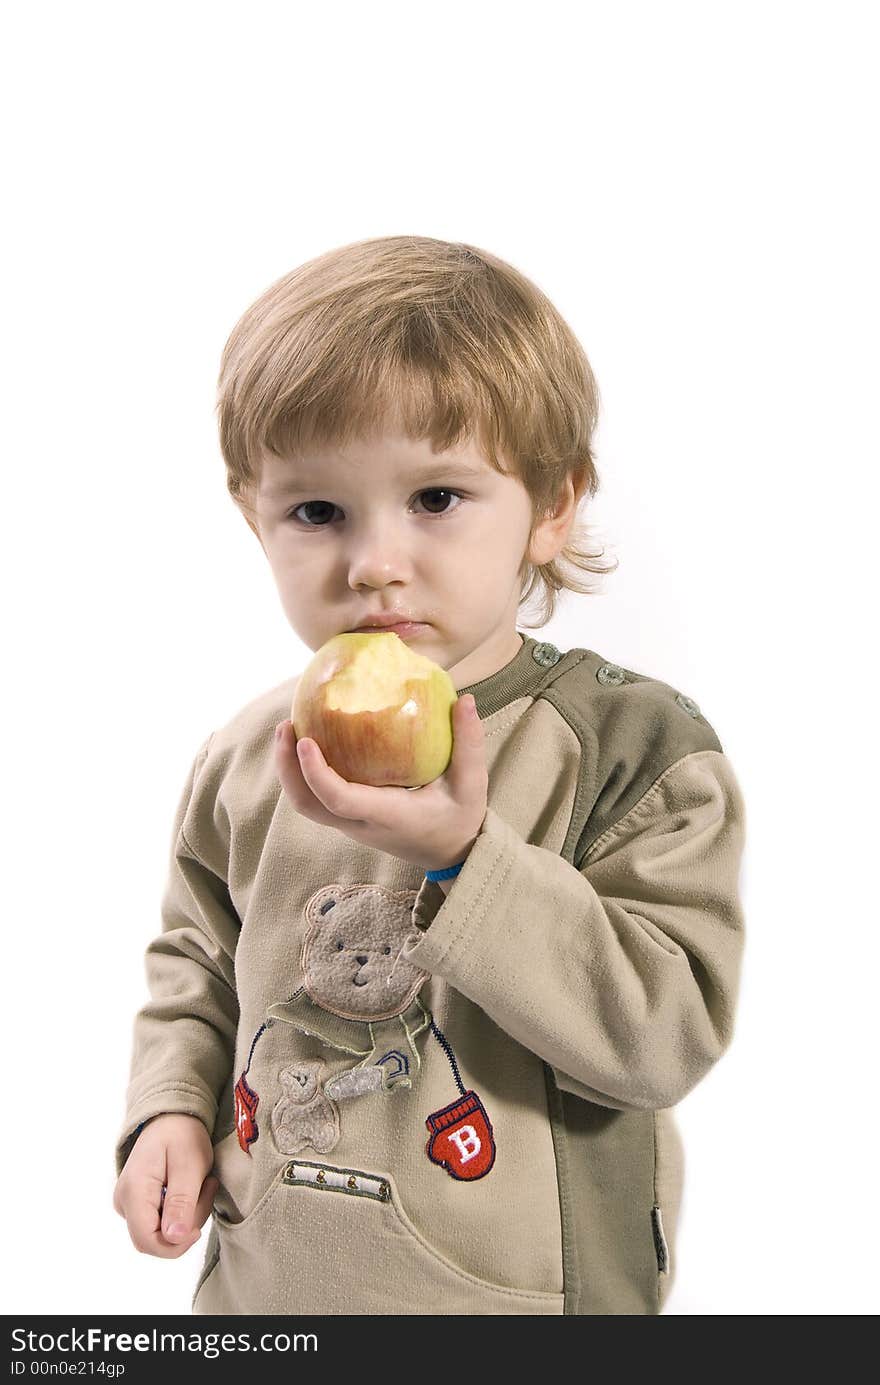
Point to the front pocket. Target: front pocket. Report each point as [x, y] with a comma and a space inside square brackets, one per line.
[325, 1239]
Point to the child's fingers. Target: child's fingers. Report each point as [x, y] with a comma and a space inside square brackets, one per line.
[468, 774]
[343, 800]
[182, 1195]
[294, 782]
[340, 798]
[140, 1205]
[142, 1209]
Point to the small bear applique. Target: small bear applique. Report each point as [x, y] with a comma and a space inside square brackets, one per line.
[304, 1116]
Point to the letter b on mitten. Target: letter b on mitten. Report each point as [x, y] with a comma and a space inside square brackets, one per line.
[461, 1140]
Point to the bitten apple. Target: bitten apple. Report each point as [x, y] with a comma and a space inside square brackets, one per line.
[381, 713]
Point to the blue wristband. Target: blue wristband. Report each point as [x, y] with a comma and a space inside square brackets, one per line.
[443, 874]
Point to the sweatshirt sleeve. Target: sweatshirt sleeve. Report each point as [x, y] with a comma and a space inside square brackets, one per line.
[621, 972]
[184, 1036]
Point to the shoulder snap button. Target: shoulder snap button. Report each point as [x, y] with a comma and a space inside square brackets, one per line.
[546, 655]
[687, 704]
[611, 673]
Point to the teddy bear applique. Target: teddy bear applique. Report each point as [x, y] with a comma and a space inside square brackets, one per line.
[360, 998]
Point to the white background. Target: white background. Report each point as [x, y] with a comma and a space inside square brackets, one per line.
[694, 185]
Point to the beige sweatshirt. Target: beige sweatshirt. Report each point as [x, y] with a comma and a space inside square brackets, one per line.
[430, 1104]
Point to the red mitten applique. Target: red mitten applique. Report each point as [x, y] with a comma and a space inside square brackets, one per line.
[246, 1102]
[461, 1138]
[462, 1141]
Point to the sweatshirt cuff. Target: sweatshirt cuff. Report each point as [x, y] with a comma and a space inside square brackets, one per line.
[446, 921]
[178, 1099]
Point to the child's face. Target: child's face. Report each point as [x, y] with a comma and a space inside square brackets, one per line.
[390, 526]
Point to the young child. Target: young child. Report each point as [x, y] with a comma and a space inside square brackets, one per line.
[414, 1051]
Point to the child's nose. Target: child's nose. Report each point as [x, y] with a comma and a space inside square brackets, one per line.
[377, 555]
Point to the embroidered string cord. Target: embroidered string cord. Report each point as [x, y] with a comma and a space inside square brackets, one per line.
[266, 1025]
[445, 1045]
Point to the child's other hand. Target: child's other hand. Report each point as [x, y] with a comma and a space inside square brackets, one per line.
[431, 827]
[172, 1152]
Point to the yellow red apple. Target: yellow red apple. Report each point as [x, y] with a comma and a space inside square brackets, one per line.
[381, 713]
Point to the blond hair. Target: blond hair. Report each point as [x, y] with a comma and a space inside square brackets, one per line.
[442, 339]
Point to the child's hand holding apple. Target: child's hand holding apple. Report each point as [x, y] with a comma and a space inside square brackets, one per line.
[393, 716]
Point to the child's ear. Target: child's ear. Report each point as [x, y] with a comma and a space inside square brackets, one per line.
[549, 535]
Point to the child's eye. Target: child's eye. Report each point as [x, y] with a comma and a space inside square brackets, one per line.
[319, 503]
[437, 491]
[328, 505]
